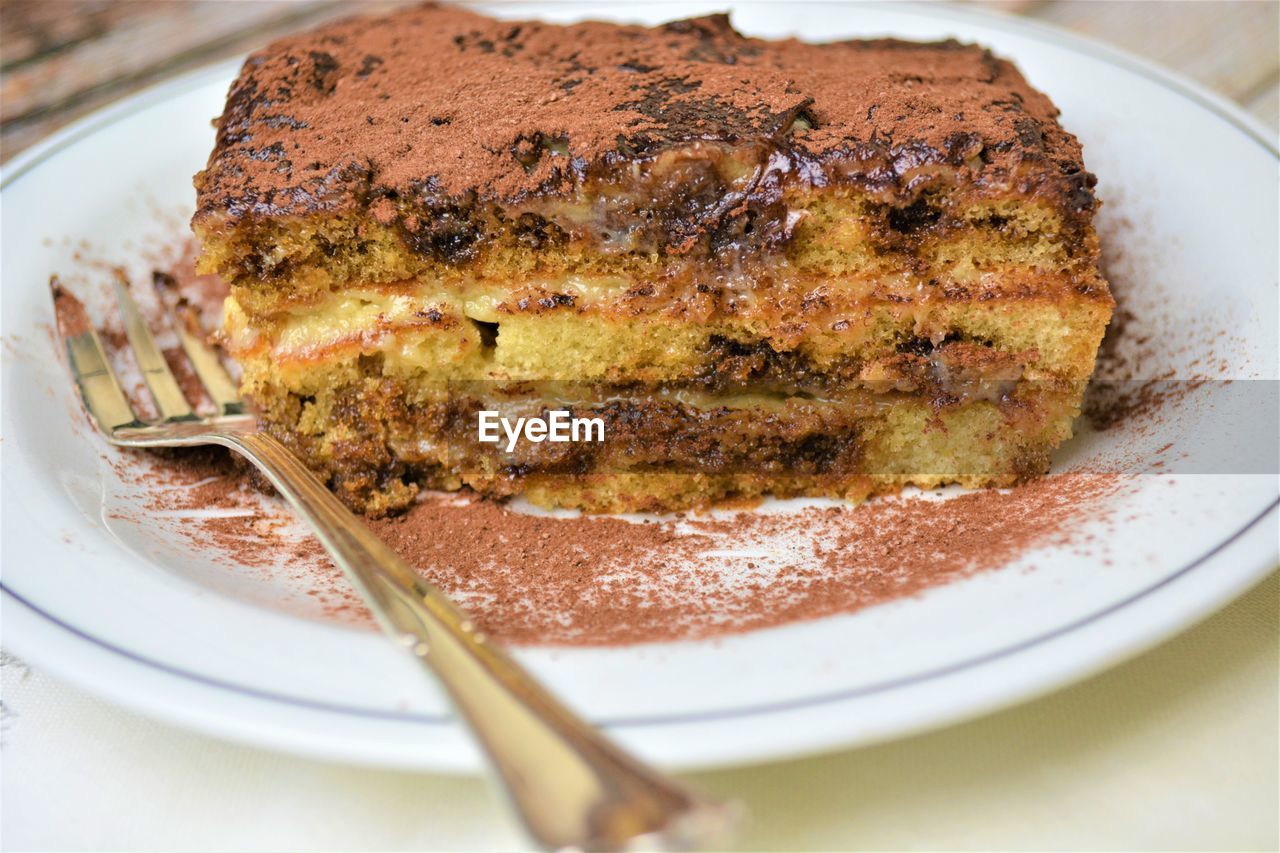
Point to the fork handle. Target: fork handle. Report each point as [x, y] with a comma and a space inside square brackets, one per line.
[571, 786]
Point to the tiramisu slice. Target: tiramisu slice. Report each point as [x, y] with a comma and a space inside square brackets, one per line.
[762, 266]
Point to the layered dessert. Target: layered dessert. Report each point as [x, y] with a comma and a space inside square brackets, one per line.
[760, 267]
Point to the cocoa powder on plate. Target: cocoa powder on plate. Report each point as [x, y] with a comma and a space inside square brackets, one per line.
[533, 579]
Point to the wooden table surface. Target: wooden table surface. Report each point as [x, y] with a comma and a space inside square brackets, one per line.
[60, 59]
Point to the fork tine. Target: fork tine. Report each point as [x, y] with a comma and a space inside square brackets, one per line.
[171, 403]
[217, 383]
[99, 389]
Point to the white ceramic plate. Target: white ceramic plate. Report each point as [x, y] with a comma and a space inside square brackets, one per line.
[115, 607]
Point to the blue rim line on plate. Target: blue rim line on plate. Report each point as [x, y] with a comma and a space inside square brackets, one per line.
[672, 719]
[1211, 103]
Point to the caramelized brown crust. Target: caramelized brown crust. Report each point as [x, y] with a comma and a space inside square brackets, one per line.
[437, 121]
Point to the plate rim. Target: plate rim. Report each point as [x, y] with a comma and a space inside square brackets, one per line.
[26, 161]
[297, 734]
[685, 718]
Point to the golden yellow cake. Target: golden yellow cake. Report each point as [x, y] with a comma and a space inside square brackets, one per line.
[759, 267]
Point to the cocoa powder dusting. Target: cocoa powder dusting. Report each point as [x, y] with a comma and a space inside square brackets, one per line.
[190, 384]
[220, 506]
[605, 581]
[447, 101]
[69, 312]
[1134, 379]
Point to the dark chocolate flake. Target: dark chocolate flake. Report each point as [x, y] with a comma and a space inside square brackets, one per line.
[323, 71]
[368, 65]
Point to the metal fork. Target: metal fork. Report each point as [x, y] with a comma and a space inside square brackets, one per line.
[572, 787]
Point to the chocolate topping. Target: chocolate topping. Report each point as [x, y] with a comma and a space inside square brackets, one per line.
[442, 108]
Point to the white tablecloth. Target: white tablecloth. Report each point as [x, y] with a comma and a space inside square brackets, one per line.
[1178, 749]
